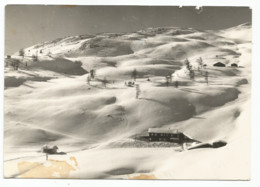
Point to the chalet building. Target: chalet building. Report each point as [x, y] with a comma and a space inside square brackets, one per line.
[171, 135]
[234, 65]
[219, 64]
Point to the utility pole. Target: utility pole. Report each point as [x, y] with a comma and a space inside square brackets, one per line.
[138, 91]
[207, 77]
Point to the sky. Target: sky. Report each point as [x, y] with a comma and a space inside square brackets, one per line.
[27, 25]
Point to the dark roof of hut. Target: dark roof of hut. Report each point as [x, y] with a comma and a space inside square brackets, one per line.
[220, 64]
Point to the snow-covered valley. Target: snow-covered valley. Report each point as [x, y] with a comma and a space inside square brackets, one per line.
[51, 99]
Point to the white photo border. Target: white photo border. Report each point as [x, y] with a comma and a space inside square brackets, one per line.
[255, 126]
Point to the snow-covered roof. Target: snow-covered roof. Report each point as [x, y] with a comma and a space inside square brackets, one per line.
[163, 130]
[168, 131]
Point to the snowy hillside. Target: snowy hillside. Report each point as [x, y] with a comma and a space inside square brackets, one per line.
[53, 99]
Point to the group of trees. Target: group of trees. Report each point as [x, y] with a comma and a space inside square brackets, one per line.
[34, 57]
[92, 76]
[191, 70]
[15, 64]
[104, 81]
[200, 63]
[168, 78]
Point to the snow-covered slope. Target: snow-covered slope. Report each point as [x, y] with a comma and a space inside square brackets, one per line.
[240, 34]
[48, 101]
[174, 44]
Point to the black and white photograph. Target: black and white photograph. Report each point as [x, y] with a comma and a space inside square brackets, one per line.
[127, 92]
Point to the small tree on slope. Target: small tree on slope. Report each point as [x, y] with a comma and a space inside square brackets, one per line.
[134, 74]
[138, 91]
[21, 52]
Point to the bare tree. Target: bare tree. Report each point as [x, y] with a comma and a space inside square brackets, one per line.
[187, 64]
[138, 91]
[21, 52]
[189, 68]
[207, 77]
[134, 74]
[200, 62]
[92, 73]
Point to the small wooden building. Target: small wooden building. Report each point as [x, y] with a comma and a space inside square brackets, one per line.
[219, 64]
[170, 135]
[50, 149]
[234, 65]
